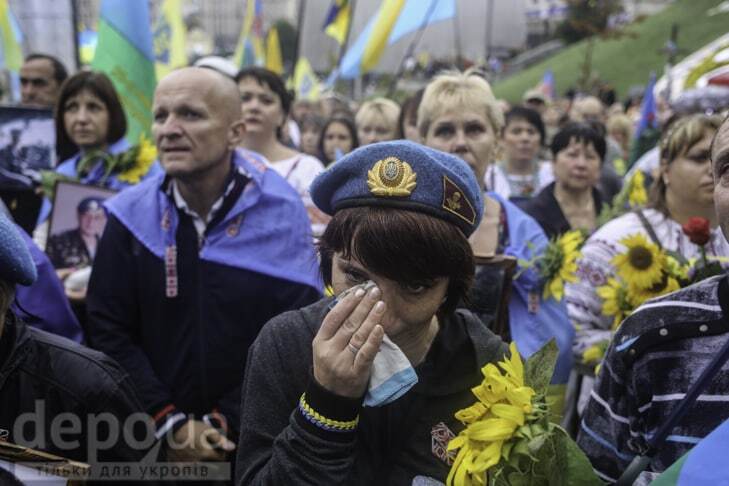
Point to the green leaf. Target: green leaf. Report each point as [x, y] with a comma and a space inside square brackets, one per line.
[573, 465]
[539, 368]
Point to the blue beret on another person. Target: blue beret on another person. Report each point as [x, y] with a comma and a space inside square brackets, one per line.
[16, 264]
[90, 204]
[403, 175]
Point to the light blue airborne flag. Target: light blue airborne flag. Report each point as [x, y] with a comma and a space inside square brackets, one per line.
[125, 52]
[414, 15]
[704, 464]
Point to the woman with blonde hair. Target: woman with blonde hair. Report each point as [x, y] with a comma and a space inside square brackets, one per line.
[377, 121]
[683, 189]
[459, 115]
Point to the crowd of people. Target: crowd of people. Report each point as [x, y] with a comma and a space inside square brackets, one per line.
[288, 287]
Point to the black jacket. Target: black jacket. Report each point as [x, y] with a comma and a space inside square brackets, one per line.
[546, 210]
[391, 445]
[185, 354]
[47, 377]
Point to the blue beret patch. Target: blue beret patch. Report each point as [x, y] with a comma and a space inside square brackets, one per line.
[455, 202]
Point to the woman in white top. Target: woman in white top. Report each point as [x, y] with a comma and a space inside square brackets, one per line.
[265, 103]
[520, 175]
[684, 188]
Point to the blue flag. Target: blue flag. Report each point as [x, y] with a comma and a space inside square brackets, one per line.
[647, 108]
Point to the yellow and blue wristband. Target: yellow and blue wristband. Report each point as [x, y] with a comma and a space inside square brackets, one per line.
[323, 422]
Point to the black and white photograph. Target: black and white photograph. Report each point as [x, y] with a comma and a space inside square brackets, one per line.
[27, 145]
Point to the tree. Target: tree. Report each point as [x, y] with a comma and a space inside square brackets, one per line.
[586, 18]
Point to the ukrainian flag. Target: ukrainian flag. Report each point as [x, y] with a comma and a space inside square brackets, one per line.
[336, 24]
[10, 37]
[394, 20]
[169, 38]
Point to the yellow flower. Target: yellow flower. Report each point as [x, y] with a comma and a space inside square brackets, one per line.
[637, 195]
[502, 407]
[145, 158]
[472, 413]
[642, 264]
[615, 301]
[676, 270]
[593, 353]
[666, 286]
[568, 246]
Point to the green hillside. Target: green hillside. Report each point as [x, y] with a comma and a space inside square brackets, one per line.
[627, 61]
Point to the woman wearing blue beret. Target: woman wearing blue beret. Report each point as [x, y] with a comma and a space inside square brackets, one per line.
[363, 388]
[460, 115]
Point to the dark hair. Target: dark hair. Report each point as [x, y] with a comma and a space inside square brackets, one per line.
[409, 110]
[100, 86]
[403, 246]
[349, 124]
[265, 77]
[579, 132]
[530, 116]
[59, 70]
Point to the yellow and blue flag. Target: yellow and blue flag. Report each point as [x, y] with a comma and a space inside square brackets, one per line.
[274, 59]
[12, 52]
[169, 38]
[125, 52]
[394, 20]
[250, 48]
[339, 16]
[306, 83]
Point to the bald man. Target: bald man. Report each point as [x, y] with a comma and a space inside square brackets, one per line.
[194, 261]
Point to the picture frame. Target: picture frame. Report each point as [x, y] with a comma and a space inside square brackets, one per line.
[27, 145]
[76, 223]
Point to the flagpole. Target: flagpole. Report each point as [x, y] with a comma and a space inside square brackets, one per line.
[74, 30]
[411, 48]
[457, 38]
[299, 32]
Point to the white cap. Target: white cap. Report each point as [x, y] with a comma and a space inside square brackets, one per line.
[217, 63]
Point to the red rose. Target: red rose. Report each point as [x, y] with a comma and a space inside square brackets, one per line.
[698, 230]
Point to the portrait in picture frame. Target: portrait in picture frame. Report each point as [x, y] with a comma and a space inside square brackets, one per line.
[76, 224]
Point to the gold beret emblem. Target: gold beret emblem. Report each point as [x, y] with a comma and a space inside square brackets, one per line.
[391, 177]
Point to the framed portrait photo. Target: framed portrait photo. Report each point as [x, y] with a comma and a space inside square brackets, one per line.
[76, 224]
[27, 145]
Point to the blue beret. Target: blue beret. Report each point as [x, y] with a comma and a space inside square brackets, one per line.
[403, 175]
[16, 264]
[90, 204]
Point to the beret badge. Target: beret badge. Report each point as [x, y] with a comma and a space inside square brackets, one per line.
[391, 177]
[455, 203]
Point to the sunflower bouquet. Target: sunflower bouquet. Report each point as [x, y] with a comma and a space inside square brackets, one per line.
[508, 439]
[645, 271]
[128, 166]
[558, 263]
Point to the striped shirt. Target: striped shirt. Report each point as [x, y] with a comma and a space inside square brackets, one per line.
[657, 354]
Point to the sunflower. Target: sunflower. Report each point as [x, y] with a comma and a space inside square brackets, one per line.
[595, 352]
[667, 285]
[616, 301]
[504, 405]
[637, 195]
[641, 266]
[559, 264]
[145, 157]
